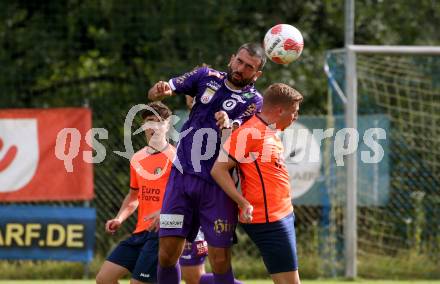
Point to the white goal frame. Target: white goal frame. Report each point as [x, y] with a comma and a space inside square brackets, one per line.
[351, 114]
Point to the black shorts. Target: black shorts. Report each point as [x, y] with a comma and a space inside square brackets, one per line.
[276, 242]
[139, 254]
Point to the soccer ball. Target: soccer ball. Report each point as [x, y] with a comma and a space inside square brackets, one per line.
[283, 43]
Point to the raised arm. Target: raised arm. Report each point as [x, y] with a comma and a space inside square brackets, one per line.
[159, 91]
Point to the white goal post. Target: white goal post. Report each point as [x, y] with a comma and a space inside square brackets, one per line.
[351, 115]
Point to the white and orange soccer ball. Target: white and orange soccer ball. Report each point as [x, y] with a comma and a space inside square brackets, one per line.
[283, 43]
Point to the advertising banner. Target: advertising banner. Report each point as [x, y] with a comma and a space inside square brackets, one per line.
[29, 167]
[47, 232]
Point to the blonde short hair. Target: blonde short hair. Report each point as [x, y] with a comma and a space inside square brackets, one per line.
[281, 94]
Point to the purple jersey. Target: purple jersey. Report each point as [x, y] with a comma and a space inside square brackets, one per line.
[199, 140]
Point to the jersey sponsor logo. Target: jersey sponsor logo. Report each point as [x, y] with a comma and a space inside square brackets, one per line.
[222, 226]
[207, 95]
[274, 44]
[214, 85]
[144, 275]
[158, 170]
[150, 194]
[248, 95]
[171, 221]
[229, 104]
[186, 256]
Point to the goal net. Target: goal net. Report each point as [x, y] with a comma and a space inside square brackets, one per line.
[398, 198]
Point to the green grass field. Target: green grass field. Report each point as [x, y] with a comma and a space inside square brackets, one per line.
[247, 282]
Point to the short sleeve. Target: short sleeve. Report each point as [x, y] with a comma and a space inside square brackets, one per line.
[188, 82]
[242, 143]
[133, 178]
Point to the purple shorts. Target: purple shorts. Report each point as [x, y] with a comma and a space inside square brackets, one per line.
[191, 202]
[194, 253]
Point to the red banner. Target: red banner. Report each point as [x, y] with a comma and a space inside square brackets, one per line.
[30, 164]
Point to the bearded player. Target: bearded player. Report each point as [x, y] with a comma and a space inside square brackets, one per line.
[192, 198]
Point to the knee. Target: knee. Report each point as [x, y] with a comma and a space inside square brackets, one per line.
[167, 258]
[220, 263]
[170, 249]
[101, 279]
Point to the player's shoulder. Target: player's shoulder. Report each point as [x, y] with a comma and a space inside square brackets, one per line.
[256, 122]
[143, 153]
[252, 122]
[254, 101]
[211, 77]
[195, 74]
[143, 158]
[252, 129]
[210, 72]
[253, 95]
[206, 71]
[139, 155]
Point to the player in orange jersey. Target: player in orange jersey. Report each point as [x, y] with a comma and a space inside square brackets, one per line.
[149, 171]
[266, 211]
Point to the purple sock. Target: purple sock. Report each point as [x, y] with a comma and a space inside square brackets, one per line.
[208, 278]
[168, 275]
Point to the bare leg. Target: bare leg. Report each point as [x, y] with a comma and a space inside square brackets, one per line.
[110, 273]
[192, 273]
[134, 281]
[220, 259]
[291, 277]
[170, 249]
